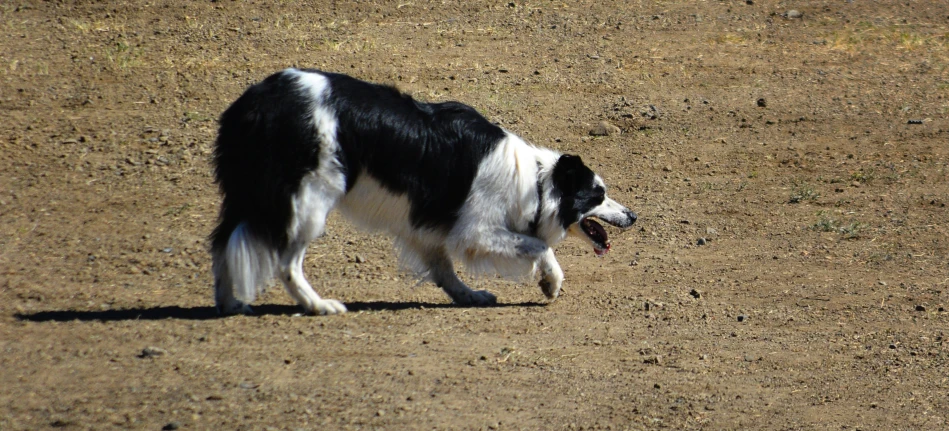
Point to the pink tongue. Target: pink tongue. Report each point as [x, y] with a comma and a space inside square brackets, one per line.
[601, 251]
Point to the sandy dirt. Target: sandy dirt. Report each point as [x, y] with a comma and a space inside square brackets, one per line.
[789, 162]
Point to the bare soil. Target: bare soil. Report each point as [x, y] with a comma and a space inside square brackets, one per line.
[806, 152]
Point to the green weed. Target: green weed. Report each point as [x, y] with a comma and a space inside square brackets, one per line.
[803, 192]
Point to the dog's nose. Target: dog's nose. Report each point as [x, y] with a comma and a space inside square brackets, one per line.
[631, 216]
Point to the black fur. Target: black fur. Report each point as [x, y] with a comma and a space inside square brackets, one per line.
[429, 151]
[267, 143]
[575, 185]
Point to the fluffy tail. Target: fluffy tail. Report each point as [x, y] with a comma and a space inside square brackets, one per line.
[243, 267]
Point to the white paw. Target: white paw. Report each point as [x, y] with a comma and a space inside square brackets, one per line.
[477, 298]
[550, 283]
[325, 307]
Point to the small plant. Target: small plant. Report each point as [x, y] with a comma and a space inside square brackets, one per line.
[851, 230]
[863, 175]
[194, 116]
[826, 224]
[124, 55]
[803, 192]
[177, 210]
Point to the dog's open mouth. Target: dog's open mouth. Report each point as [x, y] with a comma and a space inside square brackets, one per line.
[596, 233]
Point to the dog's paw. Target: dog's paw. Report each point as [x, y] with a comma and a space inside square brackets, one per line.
[235, 307]
[476, 298]
[325, 307]
[550, 284]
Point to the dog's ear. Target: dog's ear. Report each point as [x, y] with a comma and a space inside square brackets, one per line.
[568, 173]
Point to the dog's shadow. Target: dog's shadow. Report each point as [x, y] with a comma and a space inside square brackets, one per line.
[207, 313]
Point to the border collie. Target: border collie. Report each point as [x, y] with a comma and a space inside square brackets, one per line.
[446, 183]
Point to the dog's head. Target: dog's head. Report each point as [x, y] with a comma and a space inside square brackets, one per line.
[583, 197]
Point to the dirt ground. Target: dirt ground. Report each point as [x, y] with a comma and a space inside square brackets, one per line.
[789, 270]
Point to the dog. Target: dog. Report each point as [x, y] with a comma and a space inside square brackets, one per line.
[448, 185]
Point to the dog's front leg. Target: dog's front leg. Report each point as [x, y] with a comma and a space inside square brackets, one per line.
[442, 272]
[551, 275]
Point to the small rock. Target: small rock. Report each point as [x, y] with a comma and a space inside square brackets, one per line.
[762, 103]
[152, 352]
[650, 112]
[360, 259]
[667, 168]
[171, 426]
[742, 317]
[604, 128]
[914, 122]
[653, 360]
[695, 294]
[711, 231]
[793, 14]
[701, 241]
[920, 307]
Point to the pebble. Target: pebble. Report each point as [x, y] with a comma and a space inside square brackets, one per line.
[793, 14]
[701, 241]
[762, 103]
[695, 293]
[651, 112]
[742, 317]
[653, 360]
[171, 426]
[920, 307]
[604, 128]
[152, 352]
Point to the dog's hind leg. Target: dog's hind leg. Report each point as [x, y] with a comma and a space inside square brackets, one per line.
[291, 273]
[311, 206]
[442, 272]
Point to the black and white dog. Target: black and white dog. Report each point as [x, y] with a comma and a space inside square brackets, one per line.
[445, 182]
